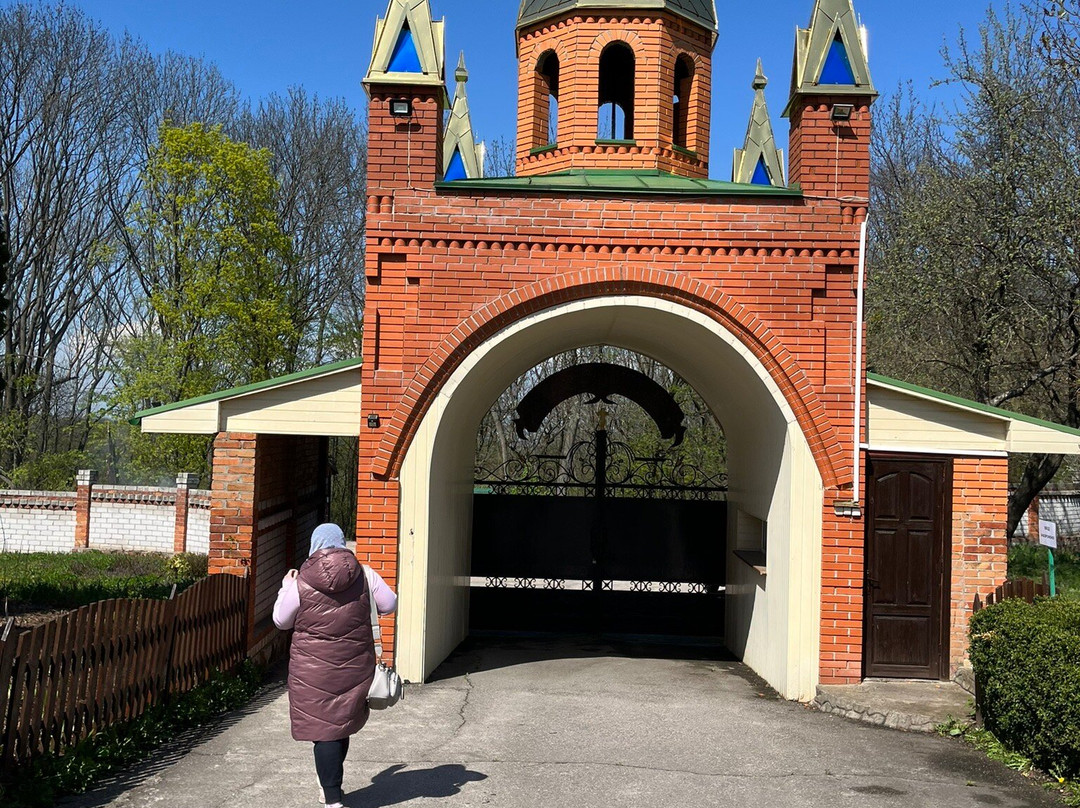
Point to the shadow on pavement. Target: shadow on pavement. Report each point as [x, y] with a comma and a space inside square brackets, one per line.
[492, 651]
[394, 786]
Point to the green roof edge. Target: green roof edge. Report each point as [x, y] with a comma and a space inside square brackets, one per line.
[695, 187]
[254, 387]
[975, 405]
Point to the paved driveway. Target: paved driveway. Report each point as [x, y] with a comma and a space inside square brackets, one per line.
[559, 725]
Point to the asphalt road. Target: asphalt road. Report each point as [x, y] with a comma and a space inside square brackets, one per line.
[518, 724]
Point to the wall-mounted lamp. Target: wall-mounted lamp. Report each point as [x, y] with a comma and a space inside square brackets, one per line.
[851, 510]
[842, 112]
[373, 421]
[401, 107]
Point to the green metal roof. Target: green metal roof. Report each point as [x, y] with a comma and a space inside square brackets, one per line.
[703, 12]
[612, 181]
[247, 389]
[973, 405]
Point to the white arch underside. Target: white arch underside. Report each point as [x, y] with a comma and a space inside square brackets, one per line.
[772, 620]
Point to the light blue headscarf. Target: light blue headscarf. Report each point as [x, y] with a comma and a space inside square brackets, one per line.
[325, 537]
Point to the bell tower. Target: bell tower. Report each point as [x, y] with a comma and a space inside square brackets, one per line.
[615, 84]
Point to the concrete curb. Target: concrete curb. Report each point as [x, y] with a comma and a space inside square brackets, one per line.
[852, 709]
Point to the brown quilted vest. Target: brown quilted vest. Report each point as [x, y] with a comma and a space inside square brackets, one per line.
[332, 660]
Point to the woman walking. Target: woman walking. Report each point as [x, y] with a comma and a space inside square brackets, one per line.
[332, 660]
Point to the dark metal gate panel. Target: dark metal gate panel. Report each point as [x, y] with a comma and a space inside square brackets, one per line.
[907, 567]
[599, 540]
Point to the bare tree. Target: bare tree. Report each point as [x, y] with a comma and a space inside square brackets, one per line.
[975, 221]
[319, 152]
[61, 151]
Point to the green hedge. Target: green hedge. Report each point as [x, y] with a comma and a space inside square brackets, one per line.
[1027, 662]
[70, 580]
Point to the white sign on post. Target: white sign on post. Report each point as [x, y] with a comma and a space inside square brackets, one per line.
[1048, 534]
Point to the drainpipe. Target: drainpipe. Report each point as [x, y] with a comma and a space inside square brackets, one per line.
[859, 313]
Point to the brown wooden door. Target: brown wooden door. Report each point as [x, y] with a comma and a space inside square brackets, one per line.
[907, 567]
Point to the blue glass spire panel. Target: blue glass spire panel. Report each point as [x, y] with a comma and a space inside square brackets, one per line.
[761, 174]
[837, 69]
[405, 59]
[456, 169]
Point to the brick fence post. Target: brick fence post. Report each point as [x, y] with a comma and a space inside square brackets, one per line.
[184, 483]
[84, 487]
[1033, 521]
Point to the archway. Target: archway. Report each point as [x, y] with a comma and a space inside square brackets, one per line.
[772, 612]
[600, 504]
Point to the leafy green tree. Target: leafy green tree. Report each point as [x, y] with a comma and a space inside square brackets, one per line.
[975, 279]
[209, 259]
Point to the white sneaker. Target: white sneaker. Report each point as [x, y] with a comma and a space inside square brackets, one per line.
[334, 805]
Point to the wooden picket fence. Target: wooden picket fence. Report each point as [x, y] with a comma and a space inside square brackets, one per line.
[109, 662]
[1022, 588]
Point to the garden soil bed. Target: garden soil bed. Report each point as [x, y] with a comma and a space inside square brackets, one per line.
[27, 615]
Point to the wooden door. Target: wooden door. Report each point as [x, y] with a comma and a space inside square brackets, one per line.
[907, 567]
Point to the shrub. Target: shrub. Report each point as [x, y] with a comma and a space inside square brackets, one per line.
[1027, 661]
[70, 580]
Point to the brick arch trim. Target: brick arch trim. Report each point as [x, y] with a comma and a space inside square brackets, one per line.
[557, 290]
[628, 38]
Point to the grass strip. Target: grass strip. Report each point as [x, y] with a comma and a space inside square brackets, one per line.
[80, 768]
[985, 741]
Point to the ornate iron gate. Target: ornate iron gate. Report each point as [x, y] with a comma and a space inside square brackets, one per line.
[644, 535]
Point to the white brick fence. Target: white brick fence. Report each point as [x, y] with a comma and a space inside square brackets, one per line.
[107, 517]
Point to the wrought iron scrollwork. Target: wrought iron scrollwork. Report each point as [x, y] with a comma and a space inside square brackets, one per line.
[625, 475]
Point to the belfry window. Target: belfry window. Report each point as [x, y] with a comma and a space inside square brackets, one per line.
[684, 82]
[547, 99]
[615, 118]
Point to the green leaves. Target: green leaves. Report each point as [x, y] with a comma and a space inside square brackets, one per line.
[1027, 659]
[212, 265]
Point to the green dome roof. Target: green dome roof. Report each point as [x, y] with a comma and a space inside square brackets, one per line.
[703, 12]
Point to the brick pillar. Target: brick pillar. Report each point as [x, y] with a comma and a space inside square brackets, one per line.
[233, 512]
[1033, 521]
[84, 487]
[184, 483]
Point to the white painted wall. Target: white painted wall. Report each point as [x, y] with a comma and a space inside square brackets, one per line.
[773, 622]
[125, 518]
[36, 529]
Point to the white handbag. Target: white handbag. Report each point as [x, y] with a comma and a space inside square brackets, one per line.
[387, 689]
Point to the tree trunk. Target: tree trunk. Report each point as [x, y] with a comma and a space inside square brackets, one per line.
[1040, 469]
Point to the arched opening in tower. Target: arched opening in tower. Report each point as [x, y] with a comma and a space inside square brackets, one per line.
[547, 100]
[683, 84]
[615, 116]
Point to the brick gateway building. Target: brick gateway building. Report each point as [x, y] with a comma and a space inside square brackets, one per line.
[863, 515]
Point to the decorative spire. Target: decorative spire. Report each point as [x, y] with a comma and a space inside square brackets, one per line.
[461, 157]
[409, 47]
[759, 162]
[830, 55]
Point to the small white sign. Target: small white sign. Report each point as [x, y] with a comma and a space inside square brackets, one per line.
[1048, 534]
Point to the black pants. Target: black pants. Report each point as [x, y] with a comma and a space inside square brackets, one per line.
[330, 764]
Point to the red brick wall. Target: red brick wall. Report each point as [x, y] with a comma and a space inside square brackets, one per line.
[980, 548]
[821, 158]
[448, 269]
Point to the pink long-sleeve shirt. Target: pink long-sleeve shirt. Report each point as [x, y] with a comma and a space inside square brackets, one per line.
[288, 600]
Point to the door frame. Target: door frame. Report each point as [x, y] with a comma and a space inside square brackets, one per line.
[944, 545]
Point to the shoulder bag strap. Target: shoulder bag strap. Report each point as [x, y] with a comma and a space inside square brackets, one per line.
[376, 630]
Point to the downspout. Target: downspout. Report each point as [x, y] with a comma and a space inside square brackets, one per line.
[856, 442]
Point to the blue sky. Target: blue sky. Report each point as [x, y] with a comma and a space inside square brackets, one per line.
[269, 45]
